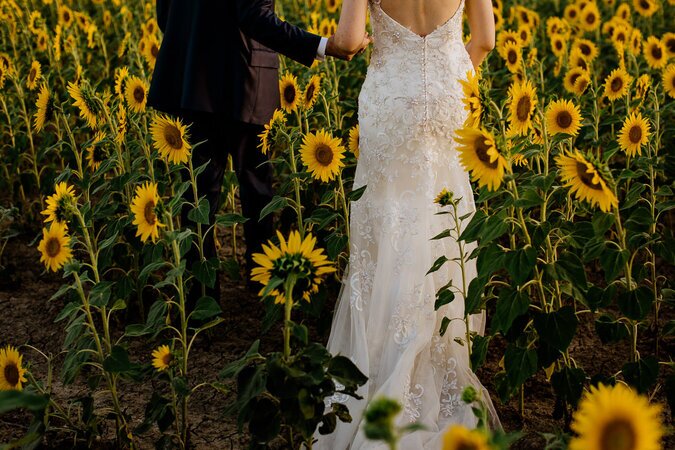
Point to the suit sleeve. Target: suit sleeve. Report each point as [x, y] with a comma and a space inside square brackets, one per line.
[163, 13]
[258, 21]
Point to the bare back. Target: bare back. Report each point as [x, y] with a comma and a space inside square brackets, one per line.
[422, 17]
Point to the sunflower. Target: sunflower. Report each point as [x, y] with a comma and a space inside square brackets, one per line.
[479, 155]
[645, 8]
[12, 373]
[151, 50]
[581, 84]
[621, 33]
[136, 92]
[525, 35]
[668, 41]
[655, 53]
[332, 5]
[288, 88]
[617, 84]
[34, 75]
[513, 56]
[563, 116]
[518, 159]
[354, 136]
[444, 198]
[162, 358]
[65, 16]
[558, 45]
[615, 417]
[635, 42]
[589, 17]
[571, 13]
[45, 108]
[277, 117]
[121, 116]
[499, 19]
[571, 78]
[586, 47]
[86, 102]
[522, 102]
[311, 92]
[297, 257]
[170, 139]
[97, 152]
[42, 40]
[668, 80]
[642, 85]
[634, 134]
[471, 99]
[121, 75]
[322, 154]
[55, 246]
[504, 37]
[3, 74]
[458, 437]
[60, 204]
[325, 28]
[585, 181]
[143, 207]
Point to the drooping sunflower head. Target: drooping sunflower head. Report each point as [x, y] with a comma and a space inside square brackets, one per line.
[121, 75]
[311, 92]
[45, 108]
[655, 53]
[471, 99]
[169, 137]
[34, 75]
[581, 84]
[90, 107]
[642, 85]
[458, 437]
[634, 134]
[12, 372]
[98, 151]
[668, 80]
[162, 358]
[479, 155]
[322, 154]
[616, 418]
[136, 93]
[60, 204]
[646, 8]
[586, 180]
[288, 88]
[144, 209]
[295, 257]
[354, 136]
[617, 84]
[278, 119]
[444, 198]
[522, 102]
[55, 246]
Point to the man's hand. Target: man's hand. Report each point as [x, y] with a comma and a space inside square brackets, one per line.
[335, 50]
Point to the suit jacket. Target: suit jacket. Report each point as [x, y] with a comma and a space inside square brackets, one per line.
[218, 56]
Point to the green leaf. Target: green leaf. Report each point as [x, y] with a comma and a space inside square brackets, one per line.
[233, 368]
[100, 294]
[228, 220]
[438, 264]
[444, 326]
[641, 374]
[443, 297]
[300, 332]
[511, 304]
[610, 330]
[520, 264]
[200, 214]
[118, 362]
[570, 268]
[613, 261]
[557, 328]
[356, 193]
[494, 227]
[636, 303]
[205, 309]
[479, 349]
[520, 364]
[473, 229]
[568, 384]
[345, 371]
[277, 203]
[11, 400]
[205, 271]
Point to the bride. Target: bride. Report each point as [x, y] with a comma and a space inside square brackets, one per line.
[409, 108]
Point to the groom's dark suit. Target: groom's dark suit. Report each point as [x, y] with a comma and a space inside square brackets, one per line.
[217, 69]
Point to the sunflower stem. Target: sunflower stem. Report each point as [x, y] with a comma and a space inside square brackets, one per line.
[289, 284]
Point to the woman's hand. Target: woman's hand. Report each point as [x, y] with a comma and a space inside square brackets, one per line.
[339, 50]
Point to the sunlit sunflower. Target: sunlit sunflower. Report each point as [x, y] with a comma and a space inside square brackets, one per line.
[571, 78]
[655, 53]
[581, 83]
[645, 8]
[558, 45]
[354, 140]
[571, 13]
[479, 155]
[121, 75]
[634, 134]
[311, 92]
[616, 418]
[86, 102]
[42, 40]
[642, 85]
[12, 373]
[35, 22]
[519, 160]
[34, 75]
[65, 16]
[170, 139]
[277, 118]
[60, 204]
[623, 11]
[635, 42]
[617, 84]
[143, 207]
[288, 89]
[589, 17]
[621, 33]
[668, 40]
[136, 93]
[97, 152]
[162, 358]
[577, 59]
[322, 154]
[563, 116]
[458, 437]
[55, 246]
[332, 5]
[522, 102]
[297, 257]
[668, 80]
[45, 108]
[513, 55]
[525, 35]
[585, 180]
[471, 99]
[586, 47]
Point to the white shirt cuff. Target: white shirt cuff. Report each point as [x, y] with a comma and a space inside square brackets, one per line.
[321, 51]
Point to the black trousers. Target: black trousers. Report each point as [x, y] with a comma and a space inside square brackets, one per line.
[225, 136]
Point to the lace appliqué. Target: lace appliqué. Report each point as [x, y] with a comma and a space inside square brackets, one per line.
[412, 401]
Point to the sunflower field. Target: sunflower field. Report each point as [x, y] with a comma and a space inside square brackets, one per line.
[570, 143]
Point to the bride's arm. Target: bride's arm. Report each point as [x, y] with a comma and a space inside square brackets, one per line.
[351, 35]
[482, 26]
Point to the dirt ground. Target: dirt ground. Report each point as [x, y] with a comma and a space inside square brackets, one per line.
[28, 318]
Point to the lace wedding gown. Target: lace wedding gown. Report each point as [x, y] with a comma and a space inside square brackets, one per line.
[409, 108]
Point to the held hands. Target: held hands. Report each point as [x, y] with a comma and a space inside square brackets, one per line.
[336, 50]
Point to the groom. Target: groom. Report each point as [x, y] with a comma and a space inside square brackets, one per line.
[218, 71]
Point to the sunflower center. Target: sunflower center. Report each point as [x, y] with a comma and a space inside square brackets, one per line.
[656, 52]
[635, 134]
[166, 359]
[53, 247]
[590, 19]
[149, 213]
[32, 74]
[523, 108]
[482, 147]
[12, 374]
[66, 16]
[324, 155]
[289, 94]
[617, 84]
[644, 4]
[618, 435]
[585, 49]
[310, 93]
[467, 446]
[139, 94]
[564, 119]
[587, 179]
[573, 13]
[173, 137]
[574, 77]
[670, 43]
[512, 57]
[581, 84]
[558, 45]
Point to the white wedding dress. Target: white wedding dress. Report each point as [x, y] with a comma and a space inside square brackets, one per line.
[409, 108]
